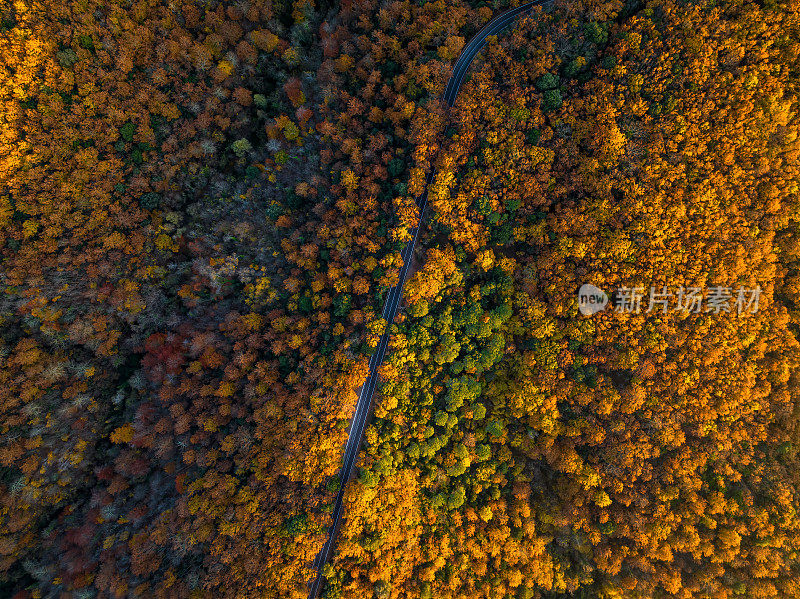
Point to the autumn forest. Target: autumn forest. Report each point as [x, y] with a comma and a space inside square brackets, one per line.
[203, 207]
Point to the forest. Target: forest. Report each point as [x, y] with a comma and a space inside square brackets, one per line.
[203, 205]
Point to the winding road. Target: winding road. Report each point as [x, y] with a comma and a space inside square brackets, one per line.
[356, 433]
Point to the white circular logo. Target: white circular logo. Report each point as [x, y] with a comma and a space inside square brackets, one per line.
[591, 299]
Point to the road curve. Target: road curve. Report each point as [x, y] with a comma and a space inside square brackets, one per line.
[364, 403]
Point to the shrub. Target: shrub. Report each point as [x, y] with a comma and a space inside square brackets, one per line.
[552, 100]
[547, 81]
[597, 32]
[241, 147]
[575, 66]
[67, 58]
[127, 130]
[150, 201]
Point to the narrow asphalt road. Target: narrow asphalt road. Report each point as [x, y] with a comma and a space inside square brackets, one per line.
[364, 403]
